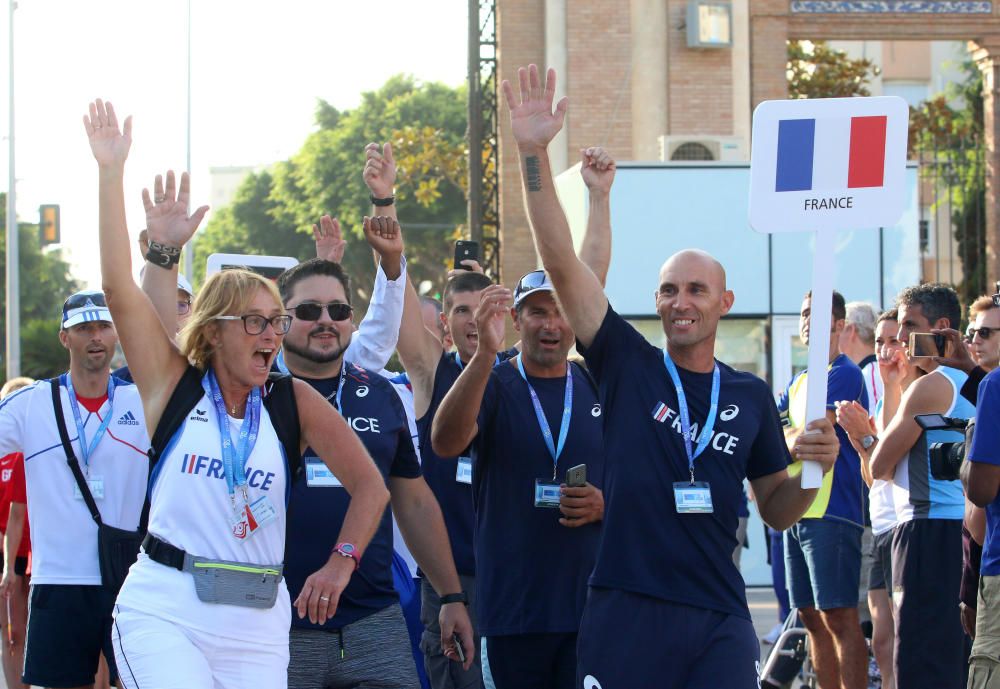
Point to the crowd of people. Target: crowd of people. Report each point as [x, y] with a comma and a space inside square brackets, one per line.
[488, 516]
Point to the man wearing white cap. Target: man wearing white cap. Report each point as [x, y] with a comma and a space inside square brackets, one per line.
[69, 619]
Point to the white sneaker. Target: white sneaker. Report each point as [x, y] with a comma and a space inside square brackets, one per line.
[772, 636]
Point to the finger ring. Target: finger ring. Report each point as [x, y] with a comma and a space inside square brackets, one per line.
[160, 199]
[324, 597]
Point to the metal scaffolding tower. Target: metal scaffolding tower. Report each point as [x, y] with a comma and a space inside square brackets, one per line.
[484, 154]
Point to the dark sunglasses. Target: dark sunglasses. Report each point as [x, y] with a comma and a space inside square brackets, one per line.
[984, 332]
[80, 299]
[338, 310]
[255, 324]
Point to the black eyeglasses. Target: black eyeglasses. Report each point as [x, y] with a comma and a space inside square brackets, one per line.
[183, 307]
[80, 299]
[338, 310]
[255, 324]
[984, 332]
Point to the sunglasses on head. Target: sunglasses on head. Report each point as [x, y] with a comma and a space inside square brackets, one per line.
[984, 332]
[532, 280]
[80, 299]
[338, 311]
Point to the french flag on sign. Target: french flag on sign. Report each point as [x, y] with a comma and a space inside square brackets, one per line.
[831, 153]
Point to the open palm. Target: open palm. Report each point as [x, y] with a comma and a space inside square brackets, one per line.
[108, 143]
[167, 219]
[532, 119]
[491, 317]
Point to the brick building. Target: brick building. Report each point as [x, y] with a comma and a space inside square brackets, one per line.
[632, 78]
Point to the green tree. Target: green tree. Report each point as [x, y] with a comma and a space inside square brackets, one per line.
[815, 70]
[273, 212]
[45, 282]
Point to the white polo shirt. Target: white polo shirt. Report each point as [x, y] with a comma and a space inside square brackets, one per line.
[63, 534]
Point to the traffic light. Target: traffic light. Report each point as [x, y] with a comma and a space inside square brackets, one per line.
[48, 224]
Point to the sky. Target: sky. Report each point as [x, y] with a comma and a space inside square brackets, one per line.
[258, 70]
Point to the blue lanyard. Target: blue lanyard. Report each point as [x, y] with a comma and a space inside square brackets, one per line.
[88, 449]
[340, 387]
[706, 433]
[234, 467]
[543, 423]
[461, 366]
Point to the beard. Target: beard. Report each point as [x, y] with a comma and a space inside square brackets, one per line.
[312, 355]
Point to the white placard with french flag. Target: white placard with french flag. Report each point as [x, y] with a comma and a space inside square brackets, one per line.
[820, 166]
[828, 164]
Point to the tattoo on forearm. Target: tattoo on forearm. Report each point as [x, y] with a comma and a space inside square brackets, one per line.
[533, 173]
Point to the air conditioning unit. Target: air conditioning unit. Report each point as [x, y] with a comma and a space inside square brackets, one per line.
[728, 149]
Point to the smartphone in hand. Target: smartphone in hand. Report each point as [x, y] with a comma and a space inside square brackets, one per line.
[458, 648]
[576, 477]
[465, 251]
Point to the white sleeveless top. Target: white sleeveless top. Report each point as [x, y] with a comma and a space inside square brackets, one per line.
[191, 509]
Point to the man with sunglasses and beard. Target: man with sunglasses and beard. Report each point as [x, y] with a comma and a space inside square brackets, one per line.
[367, 640]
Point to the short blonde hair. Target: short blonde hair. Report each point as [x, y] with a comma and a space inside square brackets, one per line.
[226, 293]
[980, 305]
[15, 384]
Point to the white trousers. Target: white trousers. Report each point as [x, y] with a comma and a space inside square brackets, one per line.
[153, 653]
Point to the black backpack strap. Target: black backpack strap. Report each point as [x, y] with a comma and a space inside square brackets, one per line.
[284, 412]
[74, 464]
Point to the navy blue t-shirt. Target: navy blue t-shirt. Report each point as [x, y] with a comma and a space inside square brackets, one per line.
[316, 513]
[531, 572]
[647, 546]
[455, 498]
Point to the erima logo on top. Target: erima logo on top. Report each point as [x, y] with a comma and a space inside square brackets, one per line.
[128, 419]
[831, 153]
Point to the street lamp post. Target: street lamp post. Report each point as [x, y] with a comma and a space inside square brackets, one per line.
[13, 335]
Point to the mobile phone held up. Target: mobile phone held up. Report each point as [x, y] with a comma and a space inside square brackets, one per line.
[576, 477]
[465, 251]
[926, 345]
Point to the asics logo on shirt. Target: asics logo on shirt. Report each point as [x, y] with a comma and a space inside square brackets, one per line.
[596, 411]
[590, 682]
[128, 419]
[362, 391]
[199, 415]
[722, 442]
[211, 467]
[729, 413]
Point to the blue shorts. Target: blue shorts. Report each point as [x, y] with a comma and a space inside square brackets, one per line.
[628, 640]
[823, 564]
[69, 627]
[530, 661]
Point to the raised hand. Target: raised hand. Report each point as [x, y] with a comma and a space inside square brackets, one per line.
[597, 169]
[380, 170]
[894, 369]
[955, 353]
[330, 243]
[494, 306]
[853, 418]
[471, 265]
[108, 143]
[532, 120]
[167, 219]
[385, 237]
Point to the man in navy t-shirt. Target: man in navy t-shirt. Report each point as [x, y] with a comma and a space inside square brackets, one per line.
[369, 640]
[530, 420]
[981, 477]
[667, 606]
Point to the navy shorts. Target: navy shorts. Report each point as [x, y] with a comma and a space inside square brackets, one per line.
[930, 648]
[628, 640]
[881, 574]
[69, 626]
[823, 564]
[530, 661]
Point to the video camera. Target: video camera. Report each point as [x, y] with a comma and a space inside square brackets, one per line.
[946, 458]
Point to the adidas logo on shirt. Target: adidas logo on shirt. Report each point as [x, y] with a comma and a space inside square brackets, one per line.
[128, 419]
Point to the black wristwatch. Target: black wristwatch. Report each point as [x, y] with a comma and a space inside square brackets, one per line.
[462, 597]
[387, 201]
[162, 255]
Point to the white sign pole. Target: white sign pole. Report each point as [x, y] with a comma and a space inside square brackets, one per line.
[820, 317]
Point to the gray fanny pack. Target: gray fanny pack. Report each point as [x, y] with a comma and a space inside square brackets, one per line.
[234, 583]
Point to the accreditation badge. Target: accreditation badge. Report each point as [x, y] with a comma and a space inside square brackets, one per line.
[693, 497]
[318, 474]
[96, 486]
[463, 472]
[260, 513]
[547, 494]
